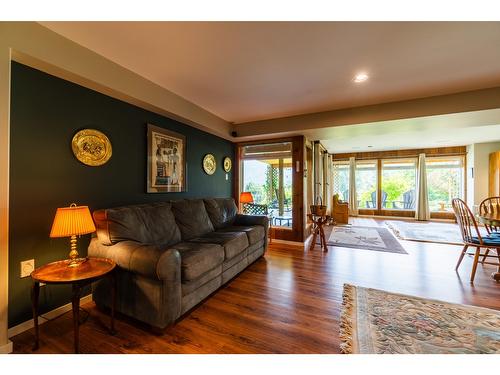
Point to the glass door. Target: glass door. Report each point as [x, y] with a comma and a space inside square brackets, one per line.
[366, 184]
[398, 185]
[267, 174]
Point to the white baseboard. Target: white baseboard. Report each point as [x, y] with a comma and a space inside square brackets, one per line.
[7, 348]
[20, 328]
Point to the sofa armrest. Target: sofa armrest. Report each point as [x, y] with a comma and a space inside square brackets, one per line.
[252, 220]
[143, 259]
[247, 220]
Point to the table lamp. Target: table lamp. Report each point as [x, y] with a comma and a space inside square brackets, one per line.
[246, 197]
[72, 221]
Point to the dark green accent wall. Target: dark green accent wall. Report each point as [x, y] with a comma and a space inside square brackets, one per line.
[45, 114]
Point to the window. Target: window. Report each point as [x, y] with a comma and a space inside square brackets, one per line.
[341, 179]
[398, 184]
[267, 174]
[445, 181]
[366, 183]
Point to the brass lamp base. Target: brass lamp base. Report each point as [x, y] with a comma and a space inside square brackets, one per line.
[74, 260]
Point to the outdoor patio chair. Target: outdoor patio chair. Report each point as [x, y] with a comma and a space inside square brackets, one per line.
[408, 201]
[373, 202]
[472, 237]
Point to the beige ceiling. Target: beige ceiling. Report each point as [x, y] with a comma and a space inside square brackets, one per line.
[247, 71]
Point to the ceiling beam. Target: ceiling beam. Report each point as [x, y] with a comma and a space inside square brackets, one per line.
[436, 105]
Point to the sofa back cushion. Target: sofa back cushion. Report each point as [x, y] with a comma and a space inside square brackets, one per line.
[222, 211]
[192, 218]
[146, 223]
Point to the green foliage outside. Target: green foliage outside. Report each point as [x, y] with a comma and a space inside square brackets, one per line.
[266, 194]
[396, 183]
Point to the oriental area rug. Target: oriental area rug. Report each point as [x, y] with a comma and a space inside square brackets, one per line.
[367, 238]
[378, 322]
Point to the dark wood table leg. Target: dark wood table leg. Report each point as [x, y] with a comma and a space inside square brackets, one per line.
[325, 248]
[35, 292]
[313, 242]
[114, 285]
[75, 302]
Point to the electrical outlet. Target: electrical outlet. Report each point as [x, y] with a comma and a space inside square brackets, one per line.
[27, 267]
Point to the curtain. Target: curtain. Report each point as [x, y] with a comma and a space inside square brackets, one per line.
[353, 200]
[318, 174]
[422, 211]
[327, 194]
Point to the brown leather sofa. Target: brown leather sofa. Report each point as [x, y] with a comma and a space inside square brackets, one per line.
[172, 255]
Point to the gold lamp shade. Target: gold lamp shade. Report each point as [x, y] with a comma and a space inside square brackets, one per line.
[72, 221]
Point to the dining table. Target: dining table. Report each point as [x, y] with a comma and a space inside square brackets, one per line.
[492, 220]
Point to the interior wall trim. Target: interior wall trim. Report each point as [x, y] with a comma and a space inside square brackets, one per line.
[39, 47]
[5, 73]
[7, 348]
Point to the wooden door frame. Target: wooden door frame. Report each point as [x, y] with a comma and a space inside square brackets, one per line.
[296, 233]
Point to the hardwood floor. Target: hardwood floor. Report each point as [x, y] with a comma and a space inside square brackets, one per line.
[287, 302]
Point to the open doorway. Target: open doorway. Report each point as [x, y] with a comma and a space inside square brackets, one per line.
[270, 175]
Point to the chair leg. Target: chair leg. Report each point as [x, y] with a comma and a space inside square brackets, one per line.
[474, 265]
[461, 256]
[485, 255]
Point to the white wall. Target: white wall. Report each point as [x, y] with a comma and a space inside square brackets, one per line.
[482, 152]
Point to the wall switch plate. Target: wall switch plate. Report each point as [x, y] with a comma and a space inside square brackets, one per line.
[27, 267]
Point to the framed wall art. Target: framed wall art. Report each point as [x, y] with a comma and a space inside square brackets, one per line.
[166, 161]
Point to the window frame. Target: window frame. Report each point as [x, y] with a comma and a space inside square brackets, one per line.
[463, 178]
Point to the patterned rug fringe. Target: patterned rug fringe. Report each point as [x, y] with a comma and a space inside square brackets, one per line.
[346, 319]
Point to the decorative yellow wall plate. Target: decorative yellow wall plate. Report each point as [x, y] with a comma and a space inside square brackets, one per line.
[209, 164]
[227, 164]
[91, 147]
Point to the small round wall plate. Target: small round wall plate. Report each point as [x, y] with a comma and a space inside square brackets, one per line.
[91, 147]
[209, 164]
[227, 164]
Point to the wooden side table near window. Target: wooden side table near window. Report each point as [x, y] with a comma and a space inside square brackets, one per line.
[85, 273]
[317, 229]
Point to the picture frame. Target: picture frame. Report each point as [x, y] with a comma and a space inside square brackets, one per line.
[166, 159]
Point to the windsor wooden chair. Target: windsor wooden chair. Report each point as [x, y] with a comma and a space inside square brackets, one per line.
[490, 207]
[472, 238]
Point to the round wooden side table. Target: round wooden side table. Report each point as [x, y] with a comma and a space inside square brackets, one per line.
[85, 273]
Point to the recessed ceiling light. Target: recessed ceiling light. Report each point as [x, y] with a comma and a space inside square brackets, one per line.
[360, 77]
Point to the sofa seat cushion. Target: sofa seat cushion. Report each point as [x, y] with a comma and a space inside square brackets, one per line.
[255, 233]
[198, 258]
[232, 242]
